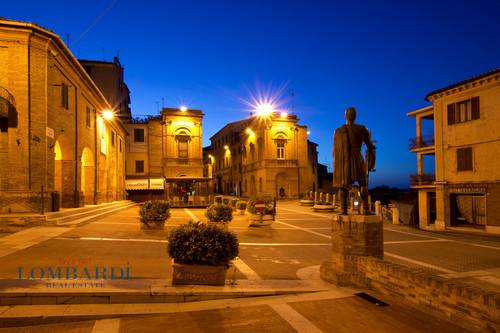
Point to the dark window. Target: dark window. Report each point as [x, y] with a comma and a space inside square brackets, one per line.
[464, 159]
[182, 146]
[120, 145]
[139, 166]
[65, 96]
[87, 117]
[463, 111]
[138, 134]
[113, 138]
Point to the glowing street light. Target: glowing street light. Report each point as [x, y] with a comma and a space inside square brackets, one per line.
[108, 114]
[226, 147]
[264, 109]
[249, 131]
[284, 115]
[308, 132]
[183, 108]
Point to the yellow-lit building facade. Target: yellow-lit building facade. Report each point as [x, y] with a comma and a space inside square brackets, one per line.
[165, 158]
[53, 133]
[463, 188]
[262, 156]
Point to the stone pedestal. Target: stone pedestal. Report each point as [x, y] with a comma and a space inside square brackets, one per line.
[395, 215]
[378, 208]
[352, 236]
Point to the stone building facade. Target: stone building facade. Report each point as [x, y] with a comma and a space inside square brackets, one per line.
[165, 157]
[464, 190]
[53, 135]
[108, 76]
[263, 156]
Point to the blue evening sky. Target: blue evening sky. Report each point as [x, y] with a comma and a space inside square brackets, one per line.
[380, 56]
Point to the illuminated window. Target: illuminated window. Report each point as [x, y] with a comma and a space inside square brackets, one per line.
[280, 149]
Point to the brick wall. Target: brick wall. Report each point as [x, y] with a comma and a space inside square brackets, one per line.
[469, 306]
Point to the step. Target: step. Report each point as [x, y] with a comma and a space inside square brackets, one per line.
[72, 211]
[89, 212]
[150, 291]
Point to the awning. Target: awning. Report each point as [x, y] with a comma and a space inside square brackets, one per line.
[136, 184]
[144, 184]
[156, 183]
[197, 179]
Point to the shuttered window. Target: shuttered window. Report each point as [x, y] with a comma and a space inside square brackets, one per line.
[139, 166]
[64, 96]
[464, 159]
[463, 111]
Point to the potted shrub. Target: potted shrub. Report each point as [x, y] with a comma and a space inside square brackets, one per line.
[154, 213]
[201, 253]
[261, 217]
[234, 201]
[241, 206]
[226, 201]
[218, 199]
[219, 215]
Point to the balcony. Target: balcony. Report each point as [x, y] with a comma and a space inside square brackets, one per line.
[427, 179]
[421, 142]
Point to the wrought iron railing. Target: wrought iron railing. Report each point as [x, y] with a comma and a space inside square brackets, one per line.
[424, 179]
[421, 142]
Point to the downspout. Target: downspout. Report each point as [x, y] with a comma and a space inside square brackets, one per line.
[96, 158]
[76, 199]
[29, 112]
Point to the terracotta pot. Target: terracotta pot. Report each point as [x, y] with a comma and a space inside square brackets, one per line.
[153, 225]
[258, 220]
[222, 225]
[198, 274]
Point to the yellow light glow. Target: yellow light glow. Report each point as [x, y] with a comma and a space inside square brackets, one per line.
[183, 123]
[284, 115]
[308, 132]
[264, 109]
[108, 114]
[226, 147]
[183, 108]
[249, 131]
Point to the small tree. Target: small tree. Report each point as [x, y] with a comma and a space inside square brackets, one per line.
[219, 213]
[154, 211]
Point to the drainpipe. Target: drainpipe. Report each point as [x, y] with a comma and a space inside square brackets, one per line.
[96, 158]
[76, 201]
[29, 112]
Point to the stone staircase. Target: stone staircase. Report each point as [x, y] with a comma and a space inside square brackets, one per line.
[83, 215]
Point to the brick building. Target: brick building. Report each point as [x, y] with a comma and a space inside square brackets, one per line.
[263, 156]
[459, 186]
[165, 158]
[108, 76]
[53, 133]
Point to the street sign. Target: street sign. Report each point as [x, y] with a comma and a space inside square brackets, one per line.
[260, 206]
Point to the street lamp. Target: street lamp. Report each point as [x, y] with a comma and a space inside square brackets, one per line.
[284, 115]
[183, 108]
[264, 109]
[108, 114]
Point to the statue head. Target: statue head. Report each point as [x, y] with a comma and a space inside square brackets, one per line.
[350, 115]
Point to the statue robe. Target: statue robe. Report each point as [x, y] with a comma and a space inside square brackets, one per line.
[348, 163]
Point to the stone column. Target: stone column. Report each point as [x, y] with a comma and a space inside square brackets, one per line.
[352, 236]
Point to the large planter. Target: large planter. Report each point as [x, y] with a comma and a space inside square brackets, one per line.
[153, 225]
[306, 202]
[260, 220]
[198, 274]
[322, 208]
[222, 225]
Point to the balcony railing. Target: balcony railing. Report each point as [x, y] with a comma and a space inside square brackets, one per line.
[421, 180]
[421, 142]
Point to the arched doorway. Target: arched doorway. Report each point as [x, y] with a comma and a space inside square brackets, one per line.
[87, 176]
[64, 180]
[282, 186]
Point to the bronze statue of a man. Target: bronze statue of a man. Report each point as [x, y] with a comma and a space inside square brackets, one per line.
[348, 164]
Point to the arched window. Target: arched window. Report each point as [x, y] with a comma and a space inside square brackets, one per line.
[280, 140]
[182, 139]
[8, 113]
[252, 152]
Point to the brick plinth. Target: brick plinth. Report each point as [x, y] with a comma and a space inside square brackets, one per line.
[352, 236]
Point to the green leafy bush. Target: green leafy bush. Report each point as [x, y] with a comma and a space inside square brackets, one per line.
[218, 199]
[234, 201]
[219, 213]
[268, 209]
[155, 211]
[241, 205]
[226, 201]
[201, 244]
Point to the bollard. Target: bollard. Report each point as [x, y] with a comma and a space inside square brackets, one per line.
[327, 198]
[395, 215]
[378, 208]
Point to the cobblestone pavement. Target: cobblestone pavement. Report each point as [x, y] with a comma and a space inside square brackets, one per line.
[290, 249]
